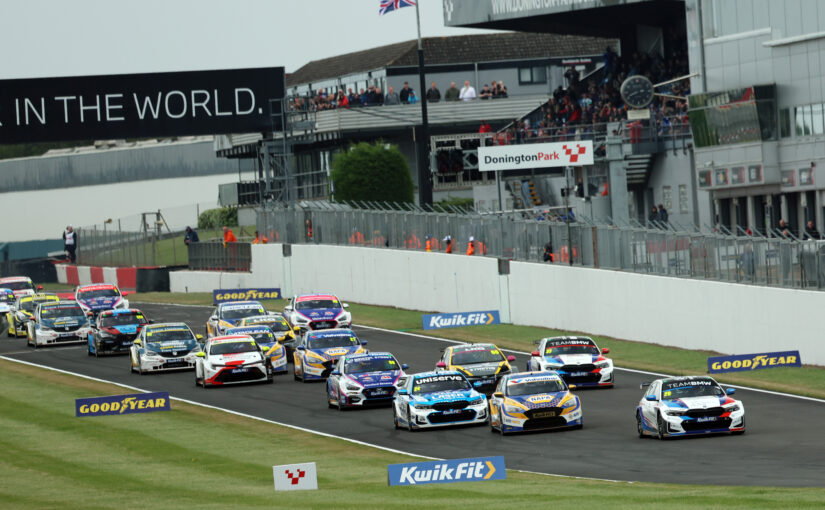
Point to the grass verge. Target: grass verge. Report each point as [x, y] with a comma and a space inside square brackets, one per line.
[191, 457]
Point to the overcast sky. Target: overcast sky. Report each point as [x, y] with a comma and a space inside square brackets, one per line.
[42, 38]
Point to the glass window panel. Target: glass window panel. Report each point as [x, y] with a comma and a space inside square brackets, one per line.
[683, 199]
[807, 118]
[524, 75]
[798, 122]
[540, 75]
[818, 122]
[785, 122]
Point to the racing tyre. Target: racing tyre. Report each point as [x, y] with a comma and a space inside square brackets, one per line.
[739, 432]
[140, 368]
[97, 351]
[295, 374]
[89, 349]
[660, 428]
[639, 429]
[395, 418]
[269, 377]
[340, 405]
[409, 421]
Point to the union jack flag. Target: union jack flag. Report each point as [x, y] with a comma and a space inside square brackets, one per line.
[391, 5]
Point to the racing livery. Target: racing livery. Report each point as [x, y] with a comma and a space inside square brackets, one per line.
[98, 297]
[164, 346]
[282, 329]
[20, 285]
[680, 406]
[577, 359]
[273, 349]
[364, 379]
[113, 331]
[231, 360]
[318, 351]
[229, 315]
[438, 399]
[6, 302]
[533, 401]
[23, 310]
[482, 364]
[317, 311]
[57, 322]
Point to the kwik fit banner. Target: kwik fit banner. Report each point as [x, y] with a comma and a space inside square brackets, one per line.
[457, 320]
[222, 295]
[479, 469]
[122, 404]
[745, 362]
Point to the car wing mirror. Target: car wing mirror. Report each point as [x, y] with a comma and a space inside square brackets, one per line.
[498, 394]
[535, 353]
[511, 358]
[404, 366]
[363, 342]
[730, 391]
[199, 336]
[201, 354]
[606, 350]
[651, 398]
[402, 391]
[441, 364]
[335, 372]
[345, 305]
[39, 287]
[137, 341]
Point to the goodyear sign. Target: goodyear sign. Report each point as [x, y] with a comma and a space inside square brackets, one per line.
[221, 295]
[122, 404]
[447, 471]
[747, 362]
[457, 320]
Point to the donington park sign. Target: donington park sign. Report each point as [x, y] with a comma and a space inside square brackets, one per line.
[535, 155]
[141, 105]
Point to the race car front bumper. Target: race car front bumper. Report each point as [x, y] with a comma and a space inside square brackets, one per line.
[427, 418]
[372, 396]
[157, 363]
[120, 344]
[585, 376]
[51, 337]
[543, 418]
[237, 374]
[691, 425]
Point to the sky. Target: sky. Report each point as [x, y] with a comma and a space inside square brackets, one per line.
[45, 38]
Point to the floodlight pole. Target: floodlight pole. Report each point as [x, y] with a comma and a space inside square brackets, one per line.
[425, 188]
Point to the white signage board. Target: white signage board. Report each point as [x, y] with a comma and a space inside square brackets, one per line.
[295, 477]
[535, 155]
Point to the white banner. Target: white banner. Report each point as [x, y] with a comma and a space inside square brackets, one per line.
[535, 155]
[295, 477]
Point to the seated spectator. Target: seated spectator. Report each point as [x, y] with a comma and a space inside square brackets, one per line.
[392, 97]
[452, 93]
[433, 94]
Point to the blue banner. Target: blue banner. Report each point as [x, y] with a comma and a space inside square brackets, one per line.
[745, 362]
[222, 295]
[457, 320]
[480, 469]
[122, 404]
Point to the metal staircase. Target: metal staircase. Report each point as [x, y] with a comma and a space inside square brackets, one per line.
[637, 168]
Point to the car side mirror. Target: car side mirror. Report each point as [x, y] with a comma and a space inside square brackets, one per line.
[651, 398]
[498, 394]
[364, 342]
[730, 391]
[199, 337]
[301, 348]
[137, 341]
[201, 354]
[33, 318]
[296, 328]
[125, 293]
[441, 364]
[571, 386]
[287, 308]
[606, 351]
[39, 287]
[335, 372]
[345, 305]
[402, 391]
[535, 353]
[404, 366]
[151, 321]
[90, 314]
[213, 318]
[511, 358]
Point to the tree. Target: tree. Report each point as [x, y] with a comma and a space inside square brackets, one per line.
[372, 172]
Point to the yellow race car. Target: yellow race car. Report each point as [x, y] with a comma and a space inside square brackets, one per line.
[229, 314]
[482, 364]
[19, 317]
[280, 326]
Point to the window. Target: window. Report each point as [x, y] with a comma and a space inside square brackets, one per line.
[799, 123]
[667, 197]
[532, 75]
[785, 122]
[683, 199]
[817, 122]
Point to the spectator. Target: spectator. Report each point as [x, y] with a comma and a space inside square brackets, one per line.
[448, 244]
[485, 93]
[412, 98]
[452, 93]
[811, 233]
[308, 224]
[372, 96]
[363, 97]
[662, 215]
[654, 215]
[471, 248]
[428, 243]
[228, 236]
[353, 99]
[379, 96]
[433, 94]
[485, 127]
[499, 91]
[404, 95]
[259, 239]
[784, 231]
[548, 253]
[190, 237]
[70, 243]
[467, 93]
[341, 101]
[392, 97]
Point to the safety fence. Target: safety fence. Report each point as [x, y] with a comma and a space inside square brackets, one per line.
[217, 256]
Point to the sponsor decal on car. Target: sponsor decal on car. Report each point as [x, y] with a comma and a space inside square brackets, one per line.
[478, 469]
[745, 362]
[222, 295]
[122, 404]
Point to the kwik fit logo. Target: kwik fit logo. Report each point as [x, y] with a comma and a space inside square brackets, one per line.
[457, 320]
[448, 471]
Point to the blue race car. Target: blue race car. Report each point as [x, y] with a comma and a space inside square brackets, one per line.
[265, 338]
[438, 399]
[113, 331]
[533, 401]
[364, 379]
[230, 314]
[318, 351]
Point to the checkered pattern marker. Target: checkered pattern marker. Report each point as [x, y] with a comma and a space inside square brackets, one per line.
[295, 477]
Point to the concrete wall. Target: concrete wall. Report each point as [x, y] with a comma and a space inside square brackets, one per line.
[693, 314]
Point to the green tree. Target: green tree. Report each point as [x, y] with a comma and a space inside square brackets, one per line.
[372, 172]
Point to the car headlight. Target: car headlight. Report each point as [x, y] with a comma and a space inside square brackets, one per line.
[513, 409]
[602, 364]
[551, 365]
[675, 412]
[570, 403]
[352, 387]
[732, 409]
[153, 354]
[476, 401]
[422, 406]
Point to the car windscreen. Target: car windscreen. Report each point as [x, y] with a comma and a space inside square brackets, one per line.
[27, 305]
[359, 366]
[232, 347]
[169, 335]
[92, 294]
[240, 313]
[18, 285]
[327, 341]
[481, 355]
[122, 319]
[61, 311]
[534, 387]
[276, 324]
[262, 338]
[311, 304]
[7, 297]
[437, 383]
[561, 350]
[687, 389]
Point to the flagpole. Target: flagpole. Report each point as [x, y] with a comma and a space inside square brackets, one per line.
[425, 188]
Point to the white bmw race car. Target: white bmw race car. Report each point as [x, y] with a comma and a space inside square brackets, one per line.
[577, 359]
[231, 360]
[681, 406]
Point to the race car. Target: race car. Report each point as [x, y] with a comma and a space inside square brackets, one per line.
[164, 346]
[57, 322]
[317, 311]
[482, 364]
[24, 309]
[273, 349]
[113, 331]
[229, 314]
[438, 399]
[688, 405]
[98, 297]
[231, 360]
[7, 300]
[533, 401]
[280, 326]
[577, 359]
[20, 285]
[364, 379]
[318, 351]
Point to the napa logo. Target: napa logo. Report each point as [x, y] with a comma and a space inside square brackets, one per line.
[745, 362]
[540, 399]
[122, 404]
[479, 469]
[222, 295]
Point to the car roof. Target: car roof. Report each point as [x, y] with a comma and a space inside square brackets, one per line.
[58, 303]
[15, 279]
[687, 378]
[368, 355]
[96, 286]
[120, 311]
[248, 329]
[240, 304]
[434, 373]
[321, 333]
[231, 338]
[570, 338]
[533, 376]
[309, 297]
[471, 347]
[160, 325]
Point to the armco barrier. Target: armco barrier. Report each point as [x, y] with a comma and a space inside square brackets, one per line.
[123, 277]
[693, 314]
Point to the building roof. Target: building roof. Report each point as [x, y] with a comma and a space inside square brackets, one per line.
[452, 50]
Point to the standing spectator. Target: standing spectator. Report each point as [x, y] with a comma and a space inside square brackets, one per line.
[353, 99]
[448, 244]
[662, 214]
[308, 224]
[548, 253]
[452, 93]
[433, 94]
[467, 93]
[428, 243]
[412, 98]
[259, 239]
[392, 97]
[485, 93]
[341, 101]
[404, 95]
[471, 248]
[372, 97]
[190, 237]
[485, 127]
[228, 236]
[811, 233]
[379, 96]
[363, 97]
[70, 243]
[654, 215]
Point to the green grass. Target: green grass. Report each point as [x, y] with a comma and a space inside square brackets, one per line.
[807, 380]
[191, 457]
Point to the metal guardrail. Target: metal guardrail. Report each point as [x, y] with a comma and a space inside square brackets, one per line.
[215, 256]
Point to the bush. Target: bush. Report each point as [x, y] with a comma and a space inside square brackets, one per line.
[372, 172]
[217, 218]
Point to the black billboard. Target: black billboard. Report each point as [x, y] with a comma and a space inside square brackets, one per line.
[141, 105]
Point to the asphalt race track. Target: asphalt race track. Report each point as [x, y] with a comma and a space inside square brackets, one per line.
[783, 445]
